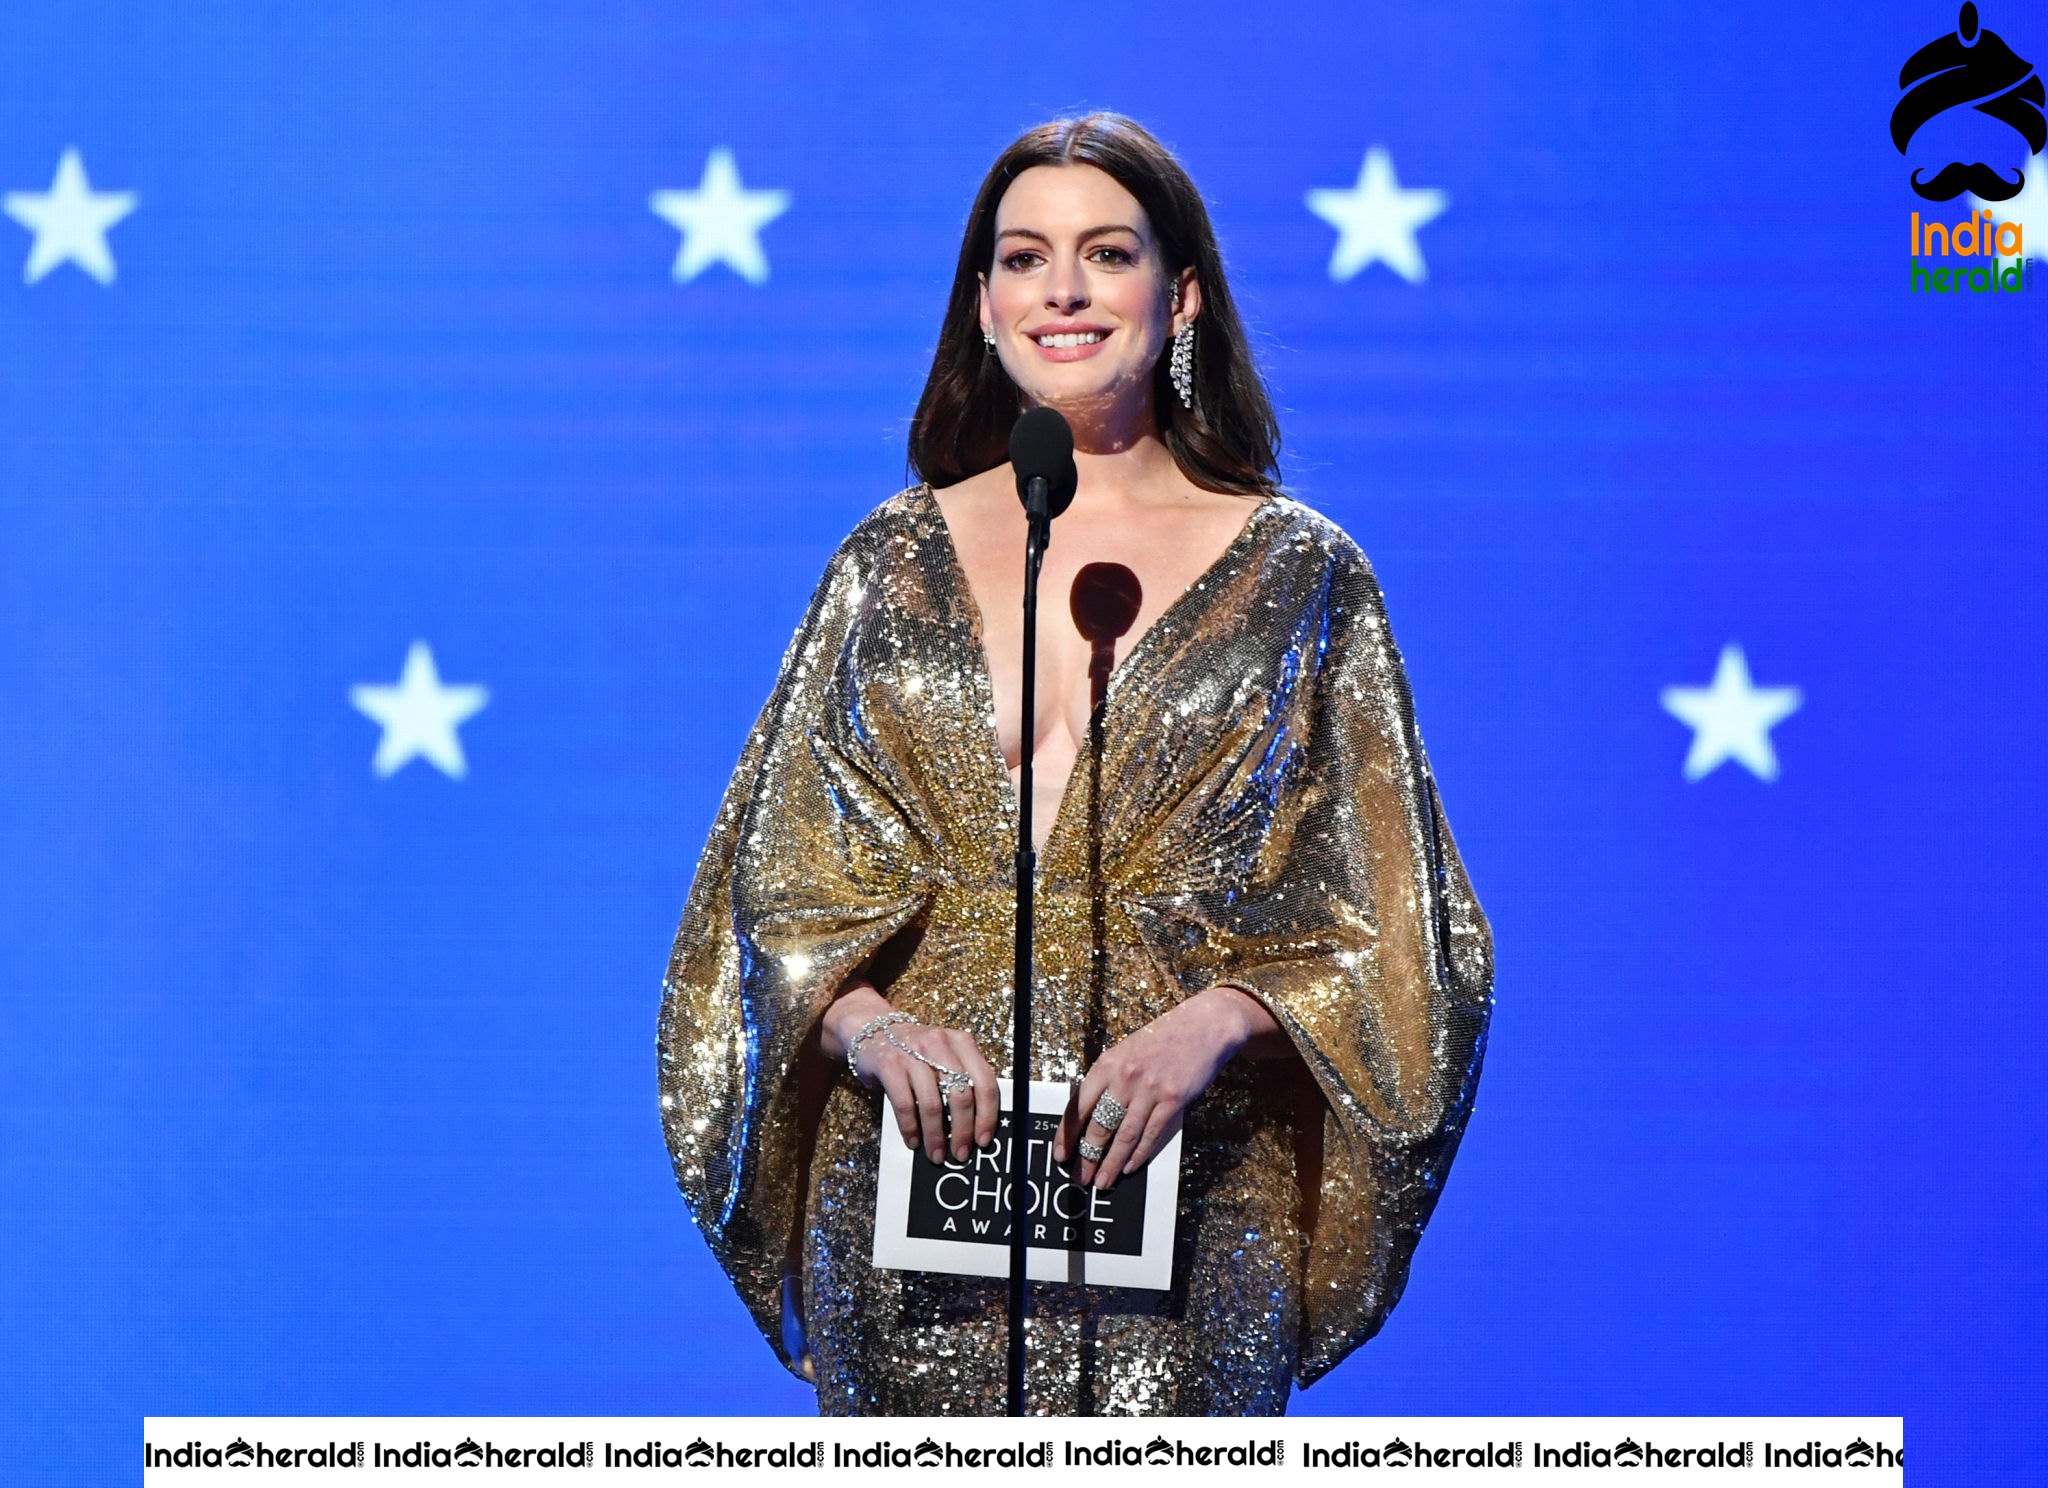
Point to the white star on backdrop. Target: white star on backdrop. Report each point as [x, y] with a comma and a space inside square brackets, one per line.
[1731, 718]
[2029, 209]
[720, 221]
[1376, 220]
[419, 716]
[70, 222]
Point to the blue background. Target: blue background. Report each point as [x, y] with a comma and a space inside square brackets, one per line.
[327, 1093]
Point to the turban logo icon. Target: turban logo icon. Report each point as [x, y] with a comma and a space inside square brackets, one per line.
[1975, 67]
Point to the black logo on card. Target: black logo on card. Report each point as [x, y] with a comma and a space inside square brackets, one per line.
[970, 1200]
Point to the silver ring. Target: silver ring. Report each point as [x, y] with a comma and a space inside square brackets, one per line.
[952, 1082]
[1109, 1113]
[1092, 1152]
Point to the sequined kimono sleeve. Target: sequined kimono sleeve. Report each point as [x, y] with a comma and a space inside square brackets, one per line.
[1360, 932]
[809, 868]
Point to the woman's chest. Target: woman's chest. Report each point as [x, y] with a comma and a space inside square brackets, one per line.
[1211, 674]
[1103, 588]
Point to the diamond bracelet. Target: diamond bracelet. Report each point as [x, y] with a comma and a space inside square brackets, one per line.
[951, 1081]
[868, 1030]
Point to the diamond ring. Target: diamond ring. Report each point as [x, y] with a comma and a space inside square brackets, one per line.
[1092, 1152]
[1109, 1113]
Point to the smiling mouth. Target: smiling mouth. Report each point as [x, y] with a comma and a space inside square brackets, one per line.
[1070, 338]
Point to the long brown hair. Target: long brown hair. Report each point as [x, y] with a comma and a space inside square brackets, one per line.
[1229, 441]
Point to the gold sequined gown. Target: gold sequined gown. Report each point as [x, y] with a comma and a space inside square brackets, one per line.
[1260, 813]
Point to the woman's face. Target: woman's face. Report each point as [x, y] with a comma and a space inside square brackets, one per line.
[1077, 298]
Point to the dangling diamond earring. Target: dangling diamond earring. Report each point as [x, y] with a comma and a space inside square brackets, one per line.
[1181, 368]
[988, 340]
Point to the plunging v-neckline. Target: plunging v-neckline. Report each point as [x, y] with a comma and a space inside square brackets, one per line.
[1188, 598]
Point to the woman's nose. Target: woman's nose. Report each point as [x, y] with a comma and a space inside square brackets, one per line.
[1065, 289]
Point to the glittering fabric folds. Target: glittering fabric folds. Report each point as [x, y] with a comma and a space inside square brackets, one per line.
[1261, 813]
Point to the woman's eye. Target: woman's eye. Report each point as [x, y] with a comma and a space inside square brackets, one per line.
[1122, 257]
[1019, 261]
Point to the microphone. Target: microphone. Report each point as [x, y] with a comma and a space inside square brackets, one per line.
[1042, 454]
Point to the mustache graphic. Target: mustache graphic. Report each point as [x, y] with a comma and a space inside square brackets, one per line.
[1977, 178]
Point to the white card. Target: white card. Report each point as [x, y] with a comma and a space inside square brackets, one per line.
[953, 1217]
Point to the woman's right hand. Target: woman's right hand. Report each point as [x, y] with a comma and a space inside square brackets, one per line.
[911, 1085]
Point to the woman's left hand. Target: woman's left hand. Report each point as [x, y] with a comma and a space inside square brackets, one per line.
[1155, 1075]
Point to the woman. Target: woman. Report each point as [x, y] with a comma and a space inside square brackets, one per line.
[1252, 923]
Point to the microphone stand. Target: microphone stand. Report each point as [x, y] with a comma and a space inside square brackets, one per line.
[1038, 515]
